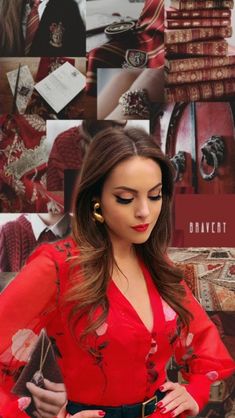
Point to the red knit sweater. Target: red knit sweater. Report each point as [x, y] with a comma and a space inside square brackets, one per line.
[17, 241]
[66, 153]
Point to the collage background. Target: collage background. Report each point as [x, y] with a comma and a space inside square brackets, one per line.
[205, 285]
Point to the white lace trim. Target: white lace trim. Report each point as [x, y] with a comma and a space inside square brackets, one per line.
[29, 160]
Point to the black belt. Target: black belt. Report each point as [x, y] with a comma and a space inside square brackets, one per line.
[138, 410]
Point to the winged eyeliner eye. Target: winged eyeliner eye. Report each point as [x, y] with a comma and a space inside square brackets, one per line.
[123, 201]
[158, 197]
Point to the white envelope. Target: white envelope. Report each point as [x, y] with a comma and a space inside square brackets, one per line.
[61, 86]
[25, 86]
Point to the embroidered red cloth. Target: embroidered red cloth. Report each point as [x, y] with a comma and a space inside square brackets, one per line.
[23, 163]
[118, 354]
[148, 37]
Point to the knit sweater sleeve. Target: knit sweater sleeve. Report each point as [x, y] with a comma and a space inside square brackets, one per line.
[25, 307]
[55, 168]
[3, 254]
[66, 153]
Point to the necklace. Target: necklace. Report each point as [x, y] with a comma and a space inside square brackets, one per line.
[38, 378]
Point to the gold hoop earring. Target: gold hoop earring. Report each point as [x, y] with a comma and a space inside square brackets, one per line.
[96, 216]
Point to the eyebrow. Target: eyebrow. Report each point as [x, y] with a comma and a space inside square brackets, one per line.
[129, 189]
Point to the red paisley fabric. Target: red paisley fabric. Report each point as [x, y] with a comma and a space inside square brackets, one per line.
[23, 164]
[120, 352]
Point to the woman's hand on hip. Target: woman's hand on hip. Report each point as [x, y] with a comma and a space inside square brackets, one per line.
[177, 400]
[48, 401]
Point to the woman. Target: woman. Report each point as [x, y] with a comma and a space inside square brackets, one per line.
[56, 30]
[117, 310]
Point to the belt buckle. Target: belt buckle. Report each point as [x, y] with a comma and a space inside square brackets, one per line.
[146, 403]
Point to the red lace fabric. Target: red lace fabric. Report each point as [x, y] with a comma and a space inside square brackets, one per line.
[120, 352]
[23, 163]
[148, 37]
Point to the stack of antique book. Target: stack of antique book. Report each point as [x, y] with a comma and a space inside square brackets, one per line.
[198, 64]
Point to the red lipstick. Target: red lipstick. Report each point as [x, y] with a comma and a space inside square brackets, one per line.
[140, 228]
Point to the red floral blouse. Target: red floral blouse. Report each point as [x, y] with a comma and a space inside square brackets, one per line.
[122, 362]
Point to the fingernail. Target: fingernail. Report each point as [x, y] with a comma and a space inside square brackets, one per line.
[163, 410]
[23, 403]
[161, 388]
[101, 413]
[173, 414]
[159, 404]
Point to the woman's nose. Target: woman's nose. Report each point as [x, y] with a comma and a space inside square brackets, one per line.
[142, 209]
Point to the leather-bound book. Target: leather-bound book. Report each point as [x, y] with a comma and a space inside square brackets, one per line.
[218, 73]
[197, 23]
[212, 48]
[196, 34]
[207, 90]
[192, 14]
[187, 64]
[202, 4]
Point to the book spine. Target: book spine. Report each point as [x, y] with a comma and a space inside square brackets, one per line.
[196, 34]
[197, 23]
[198, 63]
[218, 73]
[214, 48]
[206, 4]
[200, 91]
[192, 14]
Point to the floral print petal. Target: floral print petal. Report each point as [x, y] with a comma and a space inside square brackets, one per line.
[22, 344]
[213, 375]
[189, 339]
[101, 330]
[169, 313]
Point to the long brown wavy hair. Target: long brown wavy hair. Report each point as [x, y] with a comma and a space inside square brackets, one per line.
[11, 40]
[96, 259]
[91, 127]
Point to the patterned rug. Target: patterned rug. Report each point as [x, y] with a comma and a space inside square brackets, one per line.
[210, 274]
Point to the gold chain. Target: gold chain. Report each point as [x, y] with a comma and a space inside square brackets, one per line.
[43, 357]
